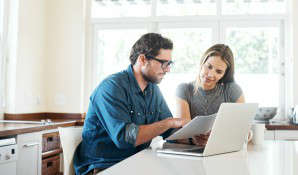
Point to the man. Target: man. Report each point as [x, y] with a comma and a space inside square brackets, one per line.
[127, 109]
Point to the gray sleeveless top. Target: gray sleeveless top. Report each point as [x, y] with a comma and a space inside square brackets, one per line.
[208, 102]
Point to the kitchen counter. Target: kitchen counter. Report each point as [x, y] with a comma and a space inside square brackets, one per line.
[281, 126]
[278, 125]
[8, 129]
[273, 158]
[269, 126]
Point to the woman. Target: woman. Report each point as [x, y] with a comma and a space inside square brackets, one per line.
[213, 86]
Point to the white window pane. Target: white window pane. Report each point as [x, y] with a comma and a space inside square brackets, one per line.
[256, 52]
[232, 7]
[189, 46]
[113, 48]
[120, 8]
[185, 7]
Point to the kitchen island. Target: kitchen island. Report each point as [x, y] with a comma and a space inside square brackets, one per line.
[272, 158]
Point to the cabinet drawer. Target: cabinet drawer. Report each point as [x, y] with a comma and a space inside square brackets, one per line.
[51, 165]
[50, 141]
[29, 154]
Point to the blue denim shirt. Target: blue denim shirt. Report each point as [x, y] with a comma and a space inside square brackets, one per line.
[117, 107]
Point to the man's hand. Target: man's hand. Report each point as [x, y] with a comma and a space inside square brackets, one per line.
[176, 122]
[148, 132]
[201, 140]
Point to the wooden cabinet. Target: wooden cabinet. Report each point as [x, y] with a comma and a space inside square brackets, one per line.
[29, 154]
[51, 165]
[51, 150]
[50, 141]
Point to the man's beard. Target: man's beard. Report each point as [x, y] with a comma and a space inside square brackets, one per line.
[151, 79]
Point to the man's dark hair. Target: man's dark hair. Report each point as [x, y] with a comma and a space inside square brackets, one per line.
[149, 44]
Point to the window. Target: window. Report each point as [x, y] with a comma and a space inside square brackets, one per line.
[185, 8]
[256, 36]
[120, 8]
[113, 49]
[186, 56]
[257, 53]
[234, 7]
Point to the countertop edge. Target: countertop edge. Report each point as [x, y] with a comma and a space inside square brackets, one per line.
[29, 129]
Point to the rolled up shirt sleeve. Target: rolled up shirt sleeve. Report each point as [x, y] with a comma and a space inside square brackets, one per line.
[131, 132]
[112, 109]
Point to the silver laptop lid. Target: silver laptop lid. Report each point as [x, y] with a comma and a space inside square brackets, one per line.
[230, 128]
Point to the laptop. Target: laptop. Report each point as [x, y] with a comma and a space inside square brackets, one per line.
[228, 133]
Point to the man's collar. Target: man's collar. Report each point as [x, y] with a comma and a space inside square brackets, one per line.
[134, 83]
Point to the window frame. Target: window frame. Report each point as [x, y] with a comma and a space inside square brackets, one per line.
[218, 23]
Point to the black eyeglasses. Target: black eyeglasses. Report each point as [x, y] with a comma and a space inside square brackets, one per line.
[164, 63]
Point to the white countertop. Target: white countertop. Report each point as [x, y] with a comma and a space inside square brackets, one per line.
[272, 158]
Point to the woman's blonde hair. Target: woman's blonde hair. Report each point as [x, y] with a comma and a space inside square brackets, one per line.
[226, 54]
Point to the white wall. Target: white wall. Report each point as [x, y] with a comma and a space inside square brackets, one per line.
[88, 88]
[12, 56]
[65, 56]
[294, 19]
[46, 56]
[25, 87]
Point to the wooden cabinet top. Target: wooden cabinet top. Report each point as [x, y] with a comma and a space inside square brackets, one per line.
[8, 129]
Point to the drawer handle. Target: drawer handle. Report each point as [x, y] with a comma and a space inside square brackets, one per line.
[50, 139]
[49, 164]
[30, 145]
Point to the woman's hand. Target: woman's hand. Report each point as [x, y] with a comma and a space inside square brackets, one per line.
[201, 140]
